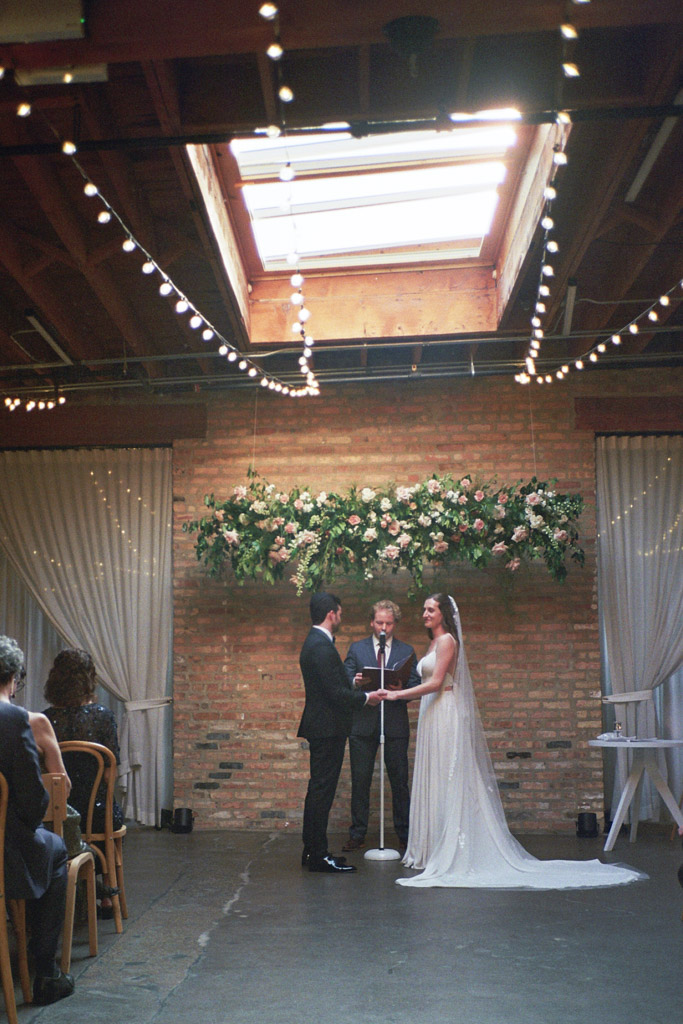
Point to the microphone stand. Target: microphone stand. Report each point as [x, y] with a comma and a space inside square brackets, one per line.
[381, 853]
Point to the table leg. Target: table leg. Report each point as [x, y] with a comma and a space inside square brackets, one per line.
[650, 763]
[637, 768]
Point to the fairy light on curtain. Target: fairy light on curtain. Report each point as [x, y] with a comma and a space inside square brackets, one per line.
[269, 12]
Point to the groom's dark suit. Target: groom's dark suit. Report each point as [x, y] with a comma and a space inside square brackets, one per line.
[325, 723]
[364, 740]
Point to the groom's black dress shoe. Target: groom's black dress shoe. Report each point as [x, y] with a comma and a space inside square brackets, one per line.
[306, 856]
[330, 865]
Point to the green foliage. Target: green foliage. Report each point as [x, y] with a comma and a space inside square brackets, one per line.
[263, 532]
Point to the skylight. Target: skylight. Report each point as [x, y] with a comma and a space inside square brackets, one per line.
[399, 198]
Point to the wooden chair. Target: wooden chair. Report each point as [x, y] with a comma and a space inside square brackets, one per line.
[82, 865]
[112, 840]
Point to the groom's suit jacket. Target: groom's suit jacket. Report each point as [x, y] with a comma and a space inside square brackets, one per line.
[28, 856]
[366, 719]
[330, 698]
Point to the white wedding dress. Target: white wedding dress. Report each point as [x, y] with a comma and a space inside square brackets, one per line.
[458, 834]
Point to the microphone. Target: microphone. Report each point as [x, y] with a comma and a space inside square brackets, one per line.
[382, 641]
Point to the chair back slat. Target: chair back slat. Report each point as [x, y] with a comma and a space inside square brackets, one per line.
[55, 814]
[4, 798]
[105, 769]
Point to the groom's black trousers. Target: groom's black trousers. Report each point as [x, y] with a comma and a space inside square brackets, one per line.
[326, 759]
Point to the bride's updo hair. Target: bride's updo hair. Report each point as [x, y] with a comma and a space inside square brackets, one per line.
[446, 609]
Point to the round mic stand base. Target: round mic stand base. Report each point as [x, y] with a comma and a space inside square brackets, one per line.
[382, 855]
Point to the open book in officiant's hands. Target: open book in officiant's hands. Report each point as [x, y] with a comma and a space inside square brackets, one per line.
[394, 678]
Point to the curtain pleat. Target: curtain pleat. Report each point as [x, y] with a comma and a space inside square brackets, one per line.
[89, 532]
[640, 576]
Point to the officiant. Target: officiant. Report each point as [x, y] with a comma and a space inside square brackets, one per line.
[364, 738]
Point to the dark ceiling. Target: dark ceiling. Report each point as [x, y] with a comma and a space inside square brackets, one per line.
[195, 70]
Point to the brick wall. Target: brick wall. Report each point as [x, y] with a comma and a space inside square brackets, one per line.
[532, 643]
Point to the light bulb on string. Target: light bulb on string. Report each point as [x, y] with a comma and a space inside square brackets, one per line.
[540, 307]
[275, 51]
[242, 365]
[69, 148]
[536, 321]
[633, 328]
[549, 192]
[292, 258]
[579, 364]
[287, 173]
[232, 355]
[653, 315]
[148, 267]
[297, 299]
[602, 347]
[196, 321]
[304, 314]
[285, 94]
[664, 300]
[90, 188]
[547, 270]
[103, 217]
[544, 290]
[570, 70]
[23, 110]
[207, 334]
[128, 245]
[593, 357]
[552, 246]
[223, 351]
[252, 371]
[264, 382]
[268, 11]
[559, 158]
[547, 223]
[296, 280]
[616, 339]
[273, 131]
[182, 306]
[165, 288]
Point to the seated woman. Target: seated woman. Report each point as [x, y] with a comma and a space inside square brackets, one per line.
[75, 715]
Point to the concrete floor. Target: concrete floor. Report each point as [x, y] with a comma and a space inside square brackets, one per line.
[226, 928]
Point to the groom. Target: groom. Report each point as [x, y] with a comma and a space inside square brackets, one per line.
[325, 723]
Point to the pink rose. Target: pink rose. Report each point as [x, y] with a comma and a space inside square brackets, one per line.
[520, 533]
[232, 537]
[500, 548]
[394, 528]
[462, 500]
[465, 483]
[479, 495]
[440, 546]
[463, 527]
[298, 503]
[560, 535]
[391, 552]
[479, 524]
[533, 498]
[219, 513]
[353, 520]
[513, 564]
[291, 528]
[433, 486]
[404, 540]
[502, 498]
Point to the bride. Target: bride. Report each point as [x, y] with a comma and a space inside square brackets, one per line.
[458, 834]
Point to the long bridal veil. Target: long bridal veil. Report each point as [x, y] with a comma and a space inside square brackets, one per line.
[473, 846]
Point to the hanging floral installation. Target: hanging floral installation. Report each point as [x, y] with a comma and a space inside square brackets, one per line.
[270, 534]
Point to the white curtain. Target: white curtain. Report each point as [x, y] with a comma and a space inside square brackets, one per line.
[89, 532]
[22, 618]
[640, 574]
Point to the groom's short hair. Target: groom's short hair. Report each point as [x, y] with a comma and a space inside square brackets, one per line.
[321, 605]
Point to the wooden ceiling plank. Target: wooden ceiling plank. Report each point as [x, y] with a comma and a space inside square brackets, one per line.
[55, 204]
[163, 29]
